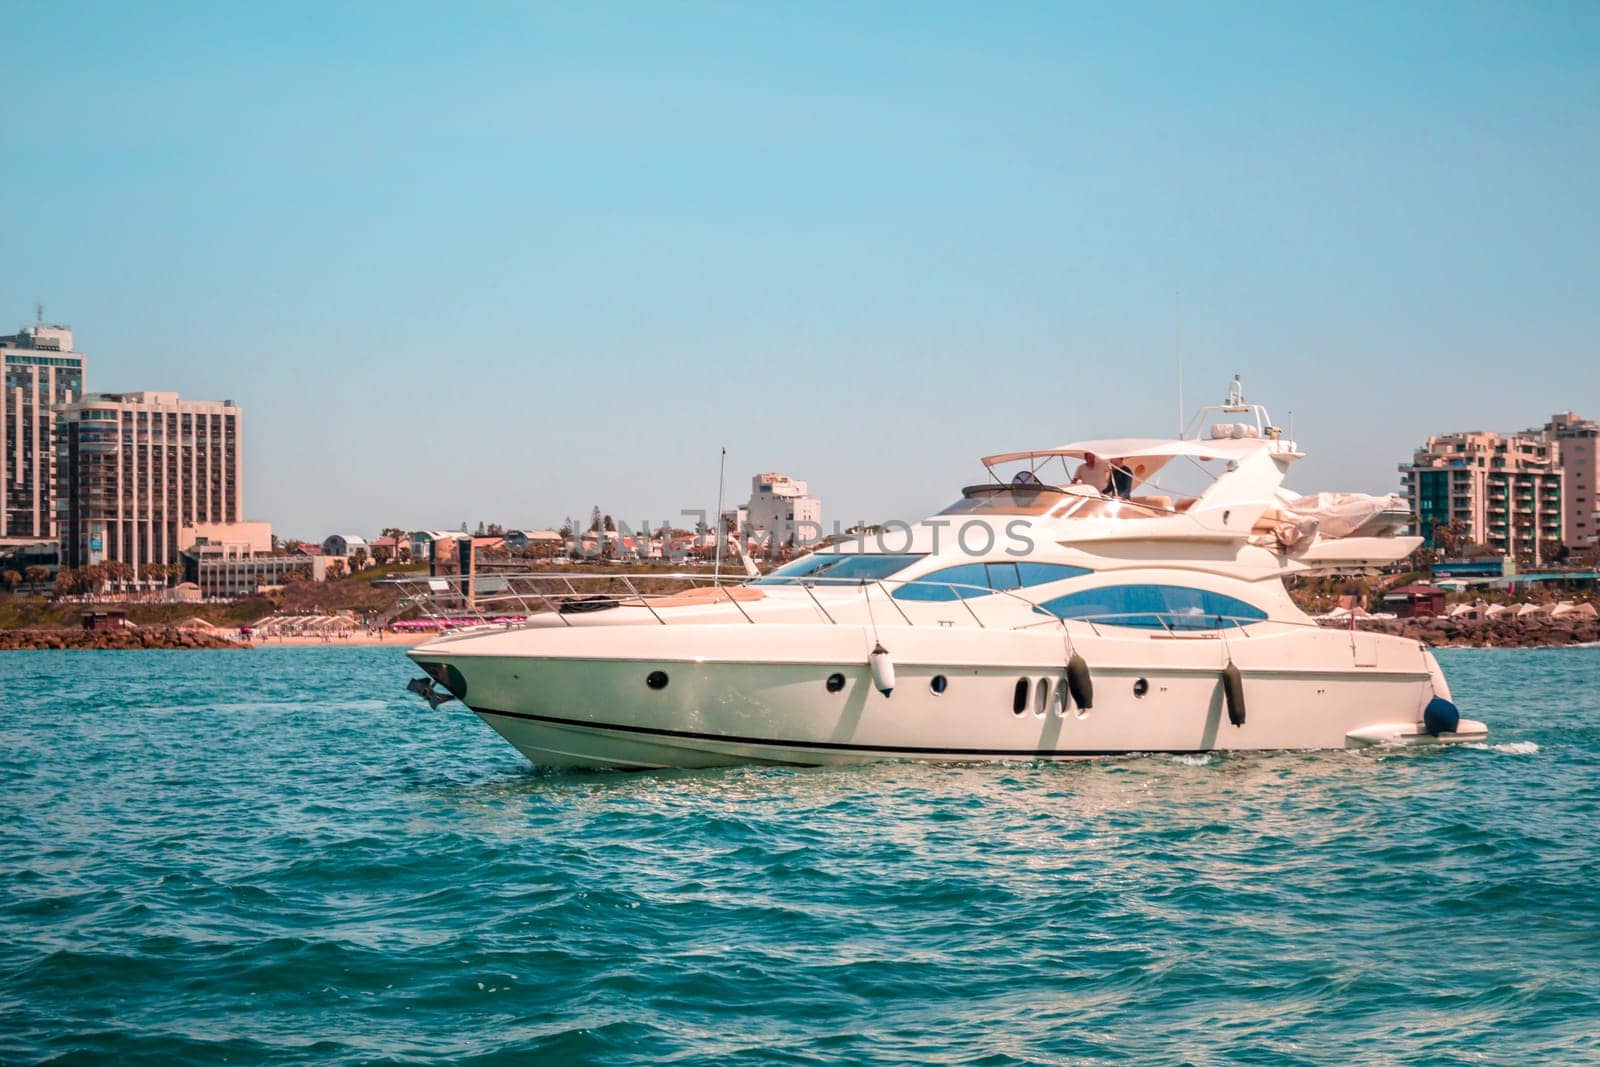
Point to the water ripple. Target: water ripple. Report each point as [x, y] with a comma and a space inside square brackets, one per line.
[281, 857]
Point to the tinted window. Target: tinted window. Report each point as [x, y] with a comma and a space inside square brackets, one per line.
[1002, 575]
[1040, 573]
[979, 579]
[837, 567]
[1155, 607]
[966, 580]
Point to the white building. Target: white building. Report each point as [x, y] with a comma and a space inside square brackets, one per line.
[235, 540]
[345, 545]
[781, 509]
[134, 469]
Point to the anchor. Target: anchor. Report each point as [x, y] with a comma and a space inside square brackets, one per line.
[425, 689]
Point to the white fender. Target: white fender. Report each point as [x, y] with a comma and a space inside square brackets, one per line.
[882, 669]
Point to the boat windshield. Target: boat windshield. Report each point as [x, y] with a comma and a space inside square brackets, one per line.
[1014, 499]
[837, 567]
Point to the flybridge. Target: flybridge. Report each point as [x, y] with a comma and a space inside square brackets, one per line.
[1245, 501]
[1230, 431]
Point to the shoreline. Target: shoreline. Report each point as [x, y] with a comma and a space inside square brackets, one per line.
[1435, 632]
[146, 639]
[1501, 632]
[44, 639]
[359, 640]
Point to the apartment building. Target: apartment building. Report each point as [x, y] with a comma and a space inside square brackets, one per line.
[134, 469]
[39, 371]
[1506, 489]
[1579, 442]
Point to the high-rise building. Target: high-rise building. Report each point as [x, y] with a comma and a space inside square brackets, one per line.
[135, 469]
[1579, 440]
[1504, 488]
[39, 372]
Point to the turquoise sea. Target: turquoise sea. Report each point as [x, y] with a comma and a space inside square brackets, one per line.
[279, 856]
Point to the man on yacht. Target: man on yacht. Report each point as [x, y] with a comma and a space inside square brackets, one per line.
[1121, 480]
[1094, 472]
[1110, 476]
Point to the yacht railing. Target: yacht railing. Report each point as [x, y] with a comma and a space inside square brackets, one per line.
[458, 602]
[455, 602]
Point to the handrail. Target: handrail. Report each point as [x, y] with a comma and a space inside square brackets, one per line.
[457, 605]
[454, 600]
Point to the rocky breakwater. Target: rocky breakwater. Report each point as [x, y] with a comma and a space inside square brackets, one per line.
[121, 638]
[1504, 631]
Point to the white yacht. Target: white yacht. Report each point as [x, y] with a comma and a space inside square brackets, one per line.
[1039, 617]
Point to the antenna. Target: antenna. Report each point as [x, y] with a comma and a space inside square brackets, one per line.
[716, 569]
[1182, 414]
[38, 313]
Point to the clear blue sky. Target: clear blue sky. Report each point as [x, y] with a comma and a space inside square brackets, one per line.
[506, 261]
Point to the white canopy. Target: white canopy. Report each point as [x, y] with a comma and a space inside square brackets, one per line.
[1126, 448]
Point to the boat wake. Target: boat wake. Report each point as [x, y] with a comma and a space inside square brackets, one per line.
[1509, 748]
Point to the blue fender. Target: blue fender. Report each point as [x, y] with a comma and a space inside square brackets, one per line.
[1440, 717]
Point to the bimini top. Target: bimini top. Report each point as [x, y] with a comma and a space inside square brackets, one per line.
[1233, 430]
[1125, 448]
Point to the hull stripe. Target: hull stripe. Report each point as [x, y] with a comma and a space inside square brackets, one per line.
[832, 746]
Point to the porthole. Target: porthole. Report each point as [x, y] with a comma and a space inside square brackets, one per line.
[1041, 697]
[1063, 697]
[835, 682]
[1141, 687]
[1019, 697]
[938, 684]
[656, 679]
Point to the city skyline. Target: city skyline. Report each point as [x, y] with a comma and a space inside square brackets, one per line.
[686, 516]
[512, 263]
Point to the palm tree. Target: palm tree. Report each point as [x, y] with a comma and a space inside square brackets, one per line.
[90, 578]
[358, 559]
[66, 580]
[11, 579]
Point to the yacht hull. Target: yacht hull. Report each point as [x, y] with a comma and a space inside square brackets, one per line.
[1302, 689]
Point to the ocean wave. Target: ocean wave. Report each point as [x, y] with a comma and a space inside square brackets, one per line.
[239, 883]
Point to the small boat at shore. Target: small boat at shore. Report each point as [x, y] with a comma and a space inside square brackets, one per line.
[1044, 615]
